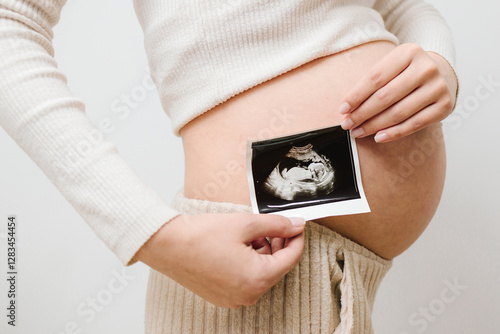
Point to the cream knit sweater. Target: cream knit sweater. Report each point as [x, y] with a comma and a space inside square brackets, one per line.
[201, 53]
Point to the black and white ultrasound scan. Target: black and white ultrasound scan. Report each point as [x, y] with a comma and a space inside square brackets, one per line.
[311, 174]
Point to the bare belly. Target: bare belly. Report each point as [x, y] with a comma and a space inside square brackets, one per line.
[403, 180]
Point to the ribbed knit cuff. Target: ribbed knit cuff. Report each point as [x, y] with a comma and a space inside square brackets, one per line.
[136, 236]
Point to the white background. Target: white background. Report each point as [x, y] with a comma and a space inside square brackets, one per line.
[63, 265]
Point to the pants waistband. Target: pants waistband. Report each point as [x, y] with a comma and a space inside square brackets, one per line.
[198, 206]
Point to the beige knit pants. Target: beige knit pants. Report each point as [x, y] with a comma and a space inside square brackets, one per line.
[331, 290]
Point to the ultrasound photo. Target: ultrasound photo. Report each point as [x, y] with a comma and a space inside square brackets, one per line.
[311, 174]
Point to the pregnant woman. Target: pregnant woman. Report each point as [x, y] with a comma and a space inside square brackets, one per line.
[227, 72]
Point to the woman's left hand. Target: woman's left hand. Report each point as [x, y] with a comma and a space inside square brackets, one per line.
[408, 90]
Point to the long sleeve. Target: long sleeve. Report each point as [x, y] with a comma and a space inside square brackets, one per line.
[40, 113]
[418, 22]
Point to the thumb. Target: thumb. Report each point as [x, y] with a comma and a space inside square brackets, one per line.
[273, 226]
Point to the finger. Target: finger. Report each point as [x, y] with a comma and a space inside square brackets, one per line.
[378, 76]
[424, 118]
[434, 92]
[397, 113]
[282, 261]
[271, 225]
[261, 246]
[393, 92]
[277, 244]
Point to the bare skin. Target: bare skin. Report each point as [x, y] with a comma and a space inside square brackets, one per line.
[403, 174]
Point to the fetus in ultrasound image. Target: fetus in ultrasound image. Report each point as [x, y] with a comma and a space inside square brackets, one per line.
[301, 174]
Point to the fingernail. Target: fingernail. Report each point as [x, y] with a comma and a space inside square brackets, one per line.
[344, 108]
[381, 137]
[357, 132]
[347, 124]
[298, 221]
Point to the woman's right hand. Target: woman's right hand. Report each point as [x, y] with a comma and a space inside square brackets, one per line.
[214, 255]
